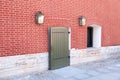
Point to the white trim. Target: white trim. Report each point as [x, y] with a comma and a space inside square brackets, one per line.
[69, 38]
[96, 35]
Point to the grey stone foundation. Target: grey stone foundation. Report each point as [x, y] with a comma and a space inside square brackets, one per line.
[21, 64]
[16, 65]
[93, 54]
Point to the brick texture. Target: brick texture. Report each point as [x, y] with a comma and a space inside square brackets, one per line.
[20, 35]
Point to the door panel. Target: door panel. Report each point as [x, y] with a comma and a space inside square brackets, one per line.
[59, 47]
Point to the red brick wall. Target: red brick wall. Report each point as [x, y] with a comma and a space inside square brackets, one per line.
[20, 35]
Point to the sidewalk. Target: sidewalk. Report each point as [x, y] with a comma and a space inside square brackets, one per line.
[100, 70]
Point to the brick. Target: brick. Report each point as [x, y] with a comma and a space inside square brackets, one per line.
[20, 35]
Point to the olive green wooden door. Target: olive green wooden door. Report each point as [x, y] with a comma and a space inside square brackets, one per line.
[58, 47]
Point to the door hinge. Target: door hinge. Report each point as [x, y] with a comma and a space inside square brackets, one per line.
[68, 56]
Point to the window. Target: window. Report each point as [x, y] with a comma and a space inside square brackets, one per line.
[94, 36]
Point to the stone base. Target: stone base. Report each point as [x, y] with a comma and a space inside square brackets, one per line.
[16, 65]
[21, 64]
[93, 54]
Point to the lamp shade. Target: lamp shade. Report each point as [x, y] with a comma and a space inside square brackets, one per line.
[39, 18]
[82, 20]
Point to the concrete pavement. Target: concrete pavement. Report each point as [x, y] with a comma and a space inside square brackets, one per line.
[99, 70]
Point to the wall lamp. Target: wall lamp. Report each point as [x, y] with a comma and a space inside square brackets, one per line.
[39, 18]
[82, 21]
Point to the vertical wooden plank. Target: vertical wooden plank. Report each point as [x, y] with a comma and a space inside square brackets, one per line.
[59, 42]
